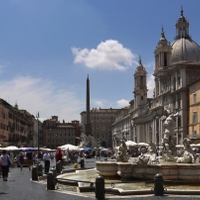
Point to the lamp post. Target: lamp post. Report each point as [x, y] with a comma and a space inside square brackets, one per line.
[37, 116]
[157, 130]
[50, 136]
[135, 133]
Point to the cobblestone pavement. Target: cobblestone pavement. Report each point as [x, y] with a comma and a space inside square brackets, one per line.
[20, 187]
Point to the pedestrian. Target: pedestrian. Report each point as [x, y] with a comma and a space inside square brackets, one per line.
[5, 159]
[35, 159]
[29, 156]
[46, 159]
[21, 159]
[0, 165]
[59, 156]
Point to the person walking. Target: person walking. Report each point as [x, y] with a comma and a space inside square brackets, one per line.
[5, 164]
[21, 159]
[46, 159]
[29, 156]
[59, 156]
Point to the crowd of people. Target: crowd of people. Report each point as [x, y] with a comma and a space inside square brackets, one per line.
[30, 158]
[26, 158]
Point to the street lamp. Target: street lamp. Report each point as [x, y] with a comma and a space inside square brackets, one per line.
[37, 116]
[135, 133]
[157, 130]
[50, 137]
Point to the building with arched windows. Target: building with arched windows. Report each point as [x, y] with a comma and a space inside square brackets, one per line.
[176, 72]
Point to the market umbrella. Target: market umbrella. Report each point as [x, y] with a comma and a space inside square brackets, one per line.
[85, 149]
[142, 144]
[69, 147]
[130, 143]
[11, 148]
[105, 149]
[27, 148]
[88, 149]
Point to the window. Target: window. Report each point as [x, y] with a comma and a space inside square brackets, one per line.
[174, 101]
[174, 83]
[179, 101]
[165, 58]
[195, 118]
[179, 121]
[141, 80]
[194, 98]
[194, 132]
[179, 78]
[194, 88]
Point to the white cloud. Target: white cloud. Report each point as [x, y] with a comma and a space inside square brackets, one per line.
[99, 104]
[122, 103]
[109, 55]
[34, 94]
[150, 85]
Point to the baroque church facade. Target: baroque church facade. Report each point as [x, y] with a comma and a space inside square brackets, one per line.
[177, 67]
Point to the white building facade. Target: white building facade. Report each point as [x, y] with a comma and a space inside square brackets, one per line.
[174, 65]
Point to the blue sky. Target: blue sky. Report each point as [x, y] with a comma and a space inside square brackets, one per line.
[48, 47]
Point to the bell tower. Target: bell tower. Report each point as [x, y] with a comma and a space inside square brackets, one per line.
[163, 60]
[140, 90]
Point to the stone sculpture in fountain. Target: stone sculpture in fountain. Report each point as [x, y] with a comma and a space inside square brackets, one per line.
[87, 141]
[169, 140]
[169, 151]
[183, 163]
[122, 153]
[148, 155]
[188, 155]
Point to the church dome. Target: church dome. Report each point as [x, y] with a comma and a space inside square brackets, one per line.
[184, 49]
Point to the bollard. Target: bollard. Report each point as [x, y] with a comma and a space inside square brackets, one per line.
[40, 169]
[59, 167]
[158, 185]
[53, 170]
[50, 181]
[82, 163]
[34, 173]
[100, 187]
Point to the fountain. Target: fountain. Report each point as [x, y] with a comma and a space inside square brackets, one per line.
[173, 165]
[125, 176]
[87, 141]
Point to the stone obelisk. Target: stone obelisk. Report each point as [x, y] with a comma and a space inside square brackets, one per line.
[88, 129]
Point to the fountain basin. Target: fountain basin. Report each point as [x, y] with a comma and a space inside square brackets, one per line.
[171, 171]
[106, 168]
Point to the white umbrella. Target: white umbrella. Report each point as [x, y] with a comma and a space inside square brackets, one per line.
[130, 143]
[105, 149]
[11, 148]
[142, 144]
[69, 147]
[179, 146]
